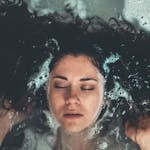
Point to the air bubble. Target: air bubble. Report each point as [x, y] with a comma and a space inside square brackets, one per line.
[103, 146]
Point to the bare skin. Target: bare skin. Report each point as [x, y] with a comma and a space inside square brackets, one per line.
[6, 121]
[75, 93]
[9, 117]
[141, 133]
[75, 98]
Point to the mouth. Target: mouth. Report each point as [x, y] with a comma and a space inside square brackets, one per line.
[73, 115]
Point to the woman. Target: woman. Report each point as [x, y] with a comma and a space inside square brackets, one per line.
[76, 99]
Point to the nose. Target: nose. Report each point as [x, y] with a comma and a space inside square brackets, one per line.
[72, 96]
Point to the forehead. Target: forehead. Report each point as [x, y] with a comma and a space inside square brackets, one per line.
[77, 60]
[80, 65]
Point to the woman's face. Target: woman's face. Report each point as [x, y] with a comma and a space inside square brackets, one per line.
[75, 92]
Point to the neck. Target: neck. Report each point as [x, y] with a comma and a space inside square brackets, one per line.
[78, 140]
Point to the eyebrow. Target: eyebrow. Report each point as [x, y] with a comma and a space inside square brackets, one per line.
[88, 79]
[61, 77]
[82, 79]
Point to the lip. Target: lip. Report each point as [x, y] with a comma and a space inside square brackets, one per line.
[73, 115]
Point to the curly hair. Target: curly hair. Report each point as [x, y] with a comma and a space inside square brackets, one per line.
[28, 40]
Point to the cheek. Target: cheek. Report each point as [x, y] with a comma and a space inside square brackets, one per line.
[55, 101]
[94, 105]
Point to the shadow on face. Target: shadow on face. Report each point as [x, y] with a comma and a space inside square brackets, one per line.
[75, 92]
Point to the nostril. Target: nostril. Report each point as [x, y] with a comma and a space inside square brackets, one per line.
[72, 100]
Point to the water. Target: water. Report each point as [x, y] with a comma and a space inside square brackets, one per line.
[28, 60]
[137, 12]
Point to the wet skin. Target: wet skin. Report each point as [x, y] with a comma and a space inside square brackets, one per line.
[75, 92]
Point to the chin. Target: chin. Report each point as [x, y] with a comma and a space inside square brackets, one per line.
[74, 129]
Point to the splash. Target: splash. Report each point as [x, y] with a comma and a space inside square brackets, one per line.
[111, 59]
[40, 7]
[38, 79]
[137, 12]
[76, 7]
[119, 91]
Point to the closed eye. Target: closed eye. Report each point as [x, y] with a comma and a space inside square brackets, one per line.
[87, 88]
[60, 87]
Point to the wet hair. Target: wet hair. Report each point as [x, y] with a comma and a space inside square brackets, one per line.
[37, 37]
[96, 55]
[54, 34]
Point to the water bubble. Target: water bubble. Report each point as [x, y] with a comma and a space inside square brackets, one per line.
[29, 99]
[137, 63]
[33, 46]
[123, 112]
[103, 146]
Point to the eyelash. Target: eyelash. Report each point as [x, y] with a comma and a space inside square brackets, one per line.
[87, 89]
[60, 87]
[82, 88]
